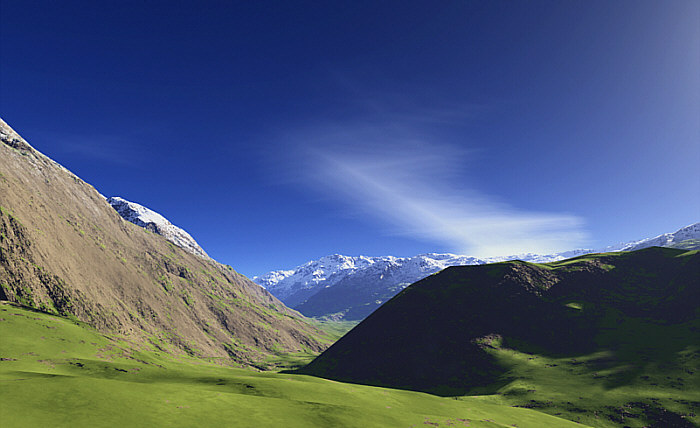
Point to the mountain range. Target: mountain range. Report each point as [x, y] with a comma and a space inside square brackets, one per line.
[350, 288]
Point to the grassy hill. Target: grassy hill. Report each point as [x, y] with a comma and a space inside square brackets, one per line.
[62, 373]
[605, 339]
[64, 250]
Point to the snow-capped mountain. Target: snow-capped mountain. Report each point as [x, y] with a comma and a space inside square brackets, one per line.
[665, 240]
[296, 285]
[352, 287]
[151, 220]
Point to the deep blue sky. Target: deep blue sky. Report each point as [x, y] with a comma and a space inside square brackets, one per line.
[279, 132]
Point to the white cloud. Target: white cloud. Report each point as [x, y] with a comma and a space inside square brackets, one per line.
[418, 187]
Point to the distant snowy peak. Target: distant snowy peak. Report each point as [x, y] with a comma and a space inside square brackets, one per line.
[329, 270]
[667, 239]
[156, 223]
[312, 274]
[297, 285]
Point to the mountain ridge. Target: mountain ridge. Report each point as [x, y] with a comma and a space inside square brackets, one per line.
[328, 286]
[66, 251]
[156, 223]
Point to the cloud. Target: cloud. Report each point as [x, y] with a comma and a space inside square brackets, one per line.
[418, 187]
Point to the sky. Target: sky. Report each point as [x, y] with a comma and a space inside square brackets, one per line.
[279, 132]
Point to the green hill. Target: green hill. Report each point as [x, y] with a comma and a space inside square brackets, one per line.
[61, 373]
[605, 339]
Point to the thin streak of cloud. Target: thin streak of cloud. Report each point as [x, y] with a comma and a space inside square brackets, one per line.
[418, 187]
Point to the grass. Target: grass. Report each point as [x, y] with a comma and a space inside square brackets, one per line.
[610, 388]
[57, 372]
[334, 329]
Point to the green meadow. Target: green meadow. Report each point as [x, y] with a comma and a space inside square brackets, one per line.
[653, 377]
[60, 373]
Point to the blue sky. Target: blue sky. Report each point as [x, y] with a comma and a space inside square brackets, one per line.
[279, 132]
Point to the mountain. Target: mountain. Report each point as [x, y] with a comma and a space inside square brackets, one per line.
[156, 223]
[606, 337]
[351, 288]
[65, 250]
[679, 237]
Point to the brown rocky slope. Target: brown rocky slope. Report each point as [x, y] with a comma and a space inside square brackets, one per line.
[64, 250]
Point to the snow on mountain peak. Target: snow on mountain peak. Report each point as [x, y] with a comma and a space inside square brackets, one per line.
[298, 285]
[151, 220]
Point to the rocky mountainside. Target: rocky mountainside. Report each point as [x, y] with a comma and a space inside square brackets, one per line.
[65, 250]
[559, 337]
[351, 288]
[156, 223]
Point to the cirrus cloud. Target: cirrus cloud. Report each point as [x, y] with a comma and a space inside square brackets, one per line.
[416, 187]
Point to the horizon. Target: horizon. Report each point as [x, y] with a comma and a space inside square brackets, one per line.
[278, 134]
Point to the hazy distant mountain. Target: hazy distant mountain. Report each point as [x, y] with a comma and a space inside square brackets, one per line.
[346, 287]
[64, 250]
[151, 220]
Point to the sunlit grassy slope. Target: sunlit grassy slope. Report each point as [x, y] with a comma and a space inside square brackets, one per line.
[650, 380]
[55, 372]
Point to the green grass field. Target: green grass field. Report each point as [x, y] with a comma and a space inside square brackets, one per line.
[56, 372]
[606, 389]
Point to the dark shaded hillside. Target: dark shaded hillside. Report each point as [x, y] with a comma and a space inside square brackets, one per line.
[64, 250]
[448, 333]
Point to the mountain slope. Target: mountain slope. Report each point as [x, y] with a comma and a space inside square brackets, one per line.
[156, 223]
[351, 288]
[65, 250]
[541, 335]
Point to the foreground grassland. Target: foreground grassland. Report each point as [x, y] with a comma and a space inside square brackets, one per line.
[55, 372]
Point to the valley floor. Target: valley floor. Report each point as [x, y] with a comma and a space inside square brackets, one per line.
[56, 372]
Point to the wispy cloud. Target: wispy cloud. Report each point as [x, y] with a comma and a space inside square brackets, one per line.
[417, 187]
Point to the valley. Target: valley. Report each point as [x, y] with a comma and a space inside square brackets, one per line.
[111, 315]
[362, 214]
[59, 372]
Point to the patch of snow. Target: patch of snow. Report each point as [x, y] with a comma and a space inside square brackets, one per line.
[151, 220]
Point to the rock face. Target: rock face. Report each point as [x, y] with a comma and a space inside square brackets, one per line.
[65, 250]
[156, 223]
[351, 288]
